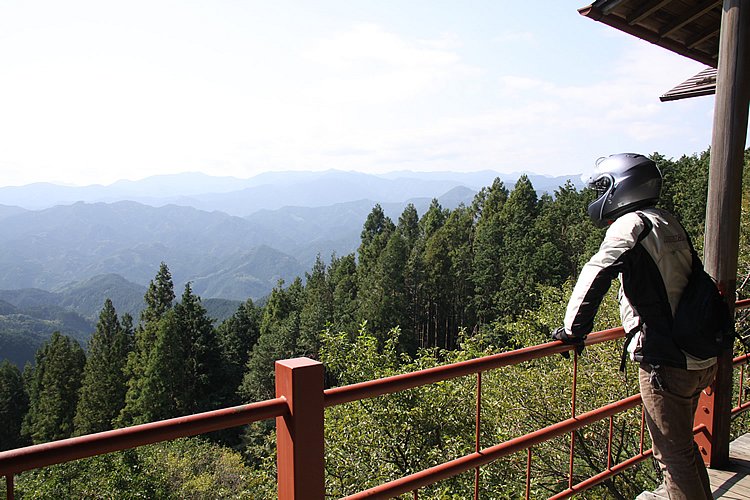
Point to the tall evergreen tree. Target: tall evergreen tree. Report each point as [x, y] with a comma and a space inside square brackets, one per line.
[408, 225]
[433, 219]
[183, 367]
[14, 403]
[279, 334]
[389, 279]
[158, 298]
[237, 335]
[488, 242]
[376, 234]
[317, 310]
[203, 354]
[342, 274]
[459, 228]
[437, 265]
[53, 391]
[519, 271]
[102, 395]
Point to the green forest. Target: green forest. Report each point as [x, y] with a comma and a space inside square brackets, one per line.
[424, 290]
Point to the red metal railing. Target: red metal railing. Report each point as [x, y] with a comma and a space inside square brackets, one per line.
[299, 407]
[42, 455]
[415, 481]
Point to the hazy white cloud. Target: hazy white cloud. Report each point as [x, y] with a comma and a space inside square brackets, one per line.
[97, 94]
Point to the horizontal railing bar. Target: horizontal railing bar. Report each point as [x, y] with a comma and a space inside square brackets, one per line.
[613, 471]
[396, 383]
[473, 460]
[603, 476]
[742, 359]
[739, 409]
[65, 450]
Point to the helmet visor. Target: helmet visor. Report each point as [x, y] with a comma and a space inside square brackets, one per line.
[601, 185]
[597, 179]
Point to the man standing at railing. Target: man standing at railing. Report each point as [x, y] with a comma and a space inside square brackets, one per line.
[649, 250]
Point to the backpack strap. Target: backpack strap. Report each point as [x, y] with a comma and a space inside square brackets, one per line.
[648, 226]
[697, 263]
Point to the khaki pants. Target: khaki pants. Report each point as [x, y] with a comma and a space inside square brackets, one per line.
[670, 398]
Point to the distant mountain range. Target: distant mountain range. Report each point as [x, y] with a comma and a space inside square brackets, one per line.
[65, 249]
[267, 191]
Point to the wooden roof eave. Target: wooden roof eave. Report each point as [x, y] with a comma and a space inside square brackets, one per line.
[595, 13]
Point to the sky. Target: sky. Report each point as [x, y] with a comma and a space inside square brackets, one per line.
[92, 92]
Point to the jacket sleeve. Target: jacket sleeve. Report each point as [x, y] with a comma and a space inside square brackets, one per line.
[597, 274]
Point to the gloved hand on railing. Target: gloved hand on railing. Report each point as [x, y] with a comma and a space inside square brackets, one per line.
[562, 334]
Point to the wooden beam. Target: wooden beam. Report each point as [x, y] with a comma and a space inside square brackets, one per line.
[691, 43]
[645, 10]
[699, 11]
[721, 245]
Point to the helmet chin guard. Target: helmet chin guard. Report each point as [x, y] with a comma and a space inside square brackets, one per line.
[624, 183]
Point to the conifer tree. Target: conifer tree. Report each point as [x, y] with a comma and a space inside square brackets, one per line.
[158, 298]
[202, 354]
[102, 395]
[389, 279]
[279, 334]
[376, 234]
[459, 229]
[14, 403]
[437, 265]
[487, 254]
[408, 225]
[433, 219]
[343, 283]
[519, 268]
[163, 381]
[376, 231]
[317, 310]
[53, 391]
[237, 335]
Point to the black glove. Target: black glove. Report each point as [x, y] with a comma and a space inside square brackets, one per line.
[562, 335]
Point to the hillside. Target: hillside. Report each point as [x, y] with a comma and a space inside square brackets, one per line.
[51, 248]
[23, 330]
[29, 316]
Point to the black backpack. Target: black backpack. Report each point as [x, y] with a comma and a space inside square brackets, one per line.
[703, 326]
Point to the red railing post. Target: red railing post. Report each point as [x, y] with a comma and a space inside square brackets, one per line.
[714, 411]
[299, 435]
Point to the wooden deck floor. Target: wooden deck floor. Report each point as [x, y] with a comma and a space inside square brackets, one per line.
[730, 484]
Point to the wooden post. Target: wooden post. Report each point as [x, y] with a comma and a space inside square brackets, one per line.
[724, 197]
[299, 435]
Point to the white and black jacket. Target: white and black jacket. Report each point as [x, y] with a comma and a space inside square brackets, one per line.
[649, 251]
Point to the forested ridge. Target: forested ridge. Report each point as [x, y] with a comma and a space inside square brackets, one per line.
[423, 290]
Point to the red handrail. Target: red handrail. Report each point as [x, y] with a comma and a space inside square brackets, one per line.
[397, 383]
[473, 460]
[65, 450]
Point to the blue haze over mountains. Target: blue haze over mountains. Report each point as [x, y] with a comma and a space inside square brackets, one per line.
[64, 249]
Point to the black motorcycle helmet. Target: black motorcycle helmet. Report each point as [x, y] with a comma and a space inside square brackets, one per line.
[623, 182]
